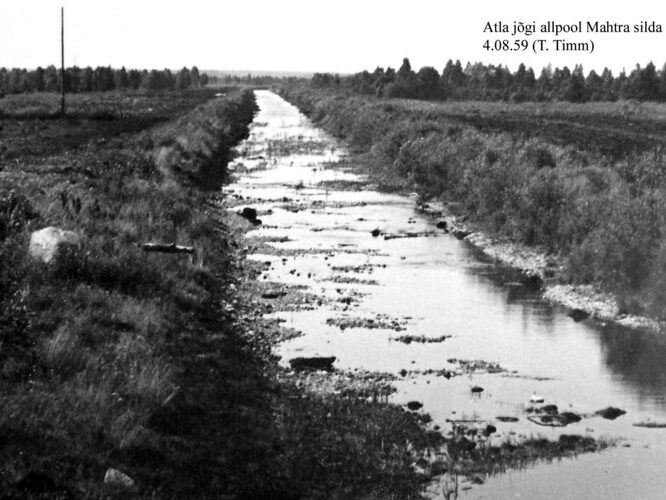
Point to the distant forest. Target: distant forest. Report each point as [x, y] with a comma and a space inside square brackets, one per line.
[497, 83]
[100, 79]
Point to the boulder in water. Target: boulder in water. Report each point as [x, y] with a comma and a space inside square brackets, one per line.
[313, 363]
[611, 413]
[414, 405]
[578, 315]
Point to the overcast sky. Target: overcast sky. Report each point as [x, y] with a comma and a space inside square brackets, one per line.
[310, 35]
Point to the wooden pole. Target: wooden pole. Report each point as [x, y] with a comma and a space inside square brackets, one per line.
[62, 60]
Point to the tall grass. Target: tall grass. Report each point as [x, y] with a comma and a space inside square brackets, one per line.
[87, 344]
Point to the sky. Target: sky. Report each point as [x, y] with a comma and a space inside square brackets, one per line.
[340, 36]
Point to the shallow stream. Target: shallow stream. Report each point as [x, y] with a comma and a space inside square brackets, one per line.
[425, 283]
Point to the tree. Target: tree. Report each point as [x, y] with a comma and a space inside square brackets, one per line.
[575, 87]
[620, 84]
[51, 80]
[595, 86]
[183, 79]
[103, 79]
[608, 83]
[647, 88]
[559, 82]
[428, 83]
[544, 84]
[134, 79]
[195, 78]
[121, 78]
[86, 83]
[405, 70]
[453, 78]
[38, 79]
[73, 79]
[405, 84]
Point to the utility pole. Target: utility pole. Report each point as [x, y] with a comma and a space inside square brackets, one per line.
[62, 60]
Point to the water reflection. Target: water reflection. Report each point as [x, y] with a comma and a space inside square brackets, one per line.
[445, 287]
[638, 356]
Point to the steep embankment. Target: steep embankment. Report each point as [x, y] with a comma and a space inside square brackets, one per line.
[580, 216]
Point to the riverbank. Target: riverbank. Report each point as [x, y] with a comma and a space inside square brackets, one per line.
[523, 199]
[112, 355]
[541, 269]
[317, 260]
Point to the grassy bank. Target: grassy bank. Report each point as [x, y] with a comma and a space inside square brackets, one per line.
[584, 182]
[107, 354]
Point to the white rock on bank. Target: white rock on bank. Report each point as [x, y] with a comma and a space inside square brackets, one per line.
[46, 243]
[117, 479]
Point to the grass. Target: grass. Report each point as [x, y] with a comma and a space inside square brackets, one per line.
[91, 345]
[584, 181]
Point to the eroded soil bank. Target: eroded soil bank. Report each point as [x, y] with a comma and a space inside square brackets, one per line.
[385, 300]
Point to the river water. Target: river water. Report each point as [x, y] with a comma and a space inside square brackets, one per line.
[433, 285]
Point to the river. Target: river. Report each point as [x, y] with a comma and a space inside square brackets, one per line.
[431, 285]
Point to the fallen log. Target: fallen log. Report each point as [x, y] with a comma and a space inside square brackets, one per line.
[167, 248]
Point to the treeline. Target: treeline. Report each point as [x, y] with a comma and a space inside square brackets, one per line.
[99, 79]
[251, 79]
[494, 83]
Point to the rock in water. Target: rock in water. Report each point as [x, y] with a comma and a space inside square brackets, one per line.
[461, 234]
[578, 315]
[503, 418]
[611, 413]
[549, 409]
[490, 429]
[414, 405]
[375, 232]
[249, 213]
[569, 417]
[117, 479]
[314, 363]
[46, 244]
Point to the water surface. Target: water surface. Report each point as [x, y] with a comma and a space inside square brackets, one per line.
[436, 285]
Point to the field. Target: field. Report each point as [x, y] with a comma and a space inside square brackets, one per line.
[613, 130]
[581, 181]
